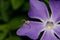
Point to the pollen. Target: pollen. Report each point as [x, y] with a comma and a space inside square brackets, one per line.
[49, 25]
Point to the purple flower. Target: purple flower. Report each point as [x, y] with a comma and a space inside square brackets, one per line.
[49, 24]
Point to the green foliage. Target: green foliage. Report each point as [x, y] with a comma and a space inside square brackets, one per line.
[4, 5]
[16, 23]
[16, 3]
[46, 1]
[3, 31]
[26, 6]
[13, 38]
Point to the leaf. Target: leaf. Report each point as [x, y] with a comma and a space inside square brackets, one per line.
[3, 31]
[26, 6]
[13, 38]
[46, 1]
[16, 23]
[4, 7]
[16, 3]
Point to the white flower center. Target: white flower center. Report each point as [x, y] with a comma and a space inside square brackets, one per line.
[49, 25]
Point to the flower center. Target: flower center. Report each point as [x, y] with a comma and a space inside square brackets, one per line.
[49, 25]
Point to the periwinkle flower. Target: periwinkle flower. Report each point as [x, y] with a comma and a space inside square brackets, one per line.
[49, 24]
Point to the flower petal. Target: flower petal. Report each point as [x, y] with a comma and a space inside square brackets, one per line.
[31, 30]
[38, 10]
[57, 30]
[55, 8]
[48, 35]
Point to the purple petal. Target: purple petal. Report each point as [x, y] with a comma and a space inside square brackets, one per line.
[57, 30]
[55, 8]
[48, 35]
[38, 10]
[31, 30]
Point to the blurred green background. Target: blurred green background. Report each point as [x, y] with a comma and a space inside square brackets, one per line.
[12, 14]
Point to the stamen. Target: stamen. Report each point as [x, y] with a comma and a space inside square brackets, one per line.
[49, 25]
[27, 22]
